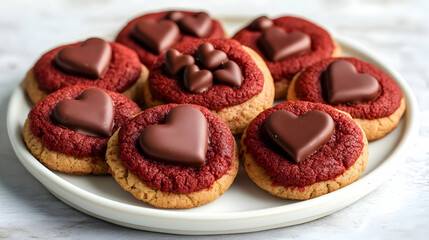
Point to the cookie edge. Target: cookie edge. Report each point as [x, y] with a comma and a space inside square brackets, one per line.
[259, 176]
[61, 162]
[373, 128]
[131, 183]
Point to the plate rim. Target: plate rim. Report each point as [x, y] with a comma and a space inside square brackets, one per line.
[371, 181]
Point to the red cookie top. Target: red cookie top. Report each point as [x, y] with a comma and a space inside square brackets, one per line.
[57, 138]
[124, 70]
[176, 178]
[170, 89]
[322, 46]
[308, 87]
[147, 57]
[338, 154]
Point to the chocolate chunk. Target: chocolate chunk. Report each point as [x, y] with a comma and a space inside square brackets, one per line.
[156, 36]
[90, 114]
[302, 136]
[91, 59]
[229, 74]
[343, 84]
[209, 57]
[174, 16]
[175, 61]
[277, 45]
[199, 25]
[196, 80]
[260, 24]
[181, 140]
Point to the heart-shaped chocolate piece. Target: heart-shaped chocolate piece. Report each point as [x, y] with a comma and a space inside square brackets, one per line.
[229, 74]
[181, 140]
[199, 25]
[196, 80]
[175, 61]
[260, 24]
[210, 57]
[343, 84]
[277, 45]
[174, 16]
[300, 136]
[91, 59]
[156, 36]
[90, 114]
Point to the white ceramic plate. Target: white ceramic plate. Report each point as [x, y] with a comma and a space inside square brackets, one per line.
[242, 208]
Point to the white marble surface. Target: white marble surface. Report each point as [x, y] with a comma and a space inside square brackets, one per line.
[398, 30]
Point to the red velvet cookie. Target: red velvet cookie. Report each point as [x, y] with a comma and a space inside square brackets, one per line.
[287, 45]
[301, 150]
[174, 156]
[153, 33]
[371, 96]
[68, 130]
[219, 74]
[94, 62]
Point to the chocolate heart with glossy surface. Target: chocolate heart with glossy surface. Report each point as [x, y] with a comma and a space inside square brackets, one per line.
[156, 36]
[199, 25]
[277, 45]
[91, 113]
[210, 57]
[174, 16]
[300, 136]
[229, 74]
[181, 140]
[260, 24]
[196, 80]
[175, 61]
[91, 59]
[343, 84]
